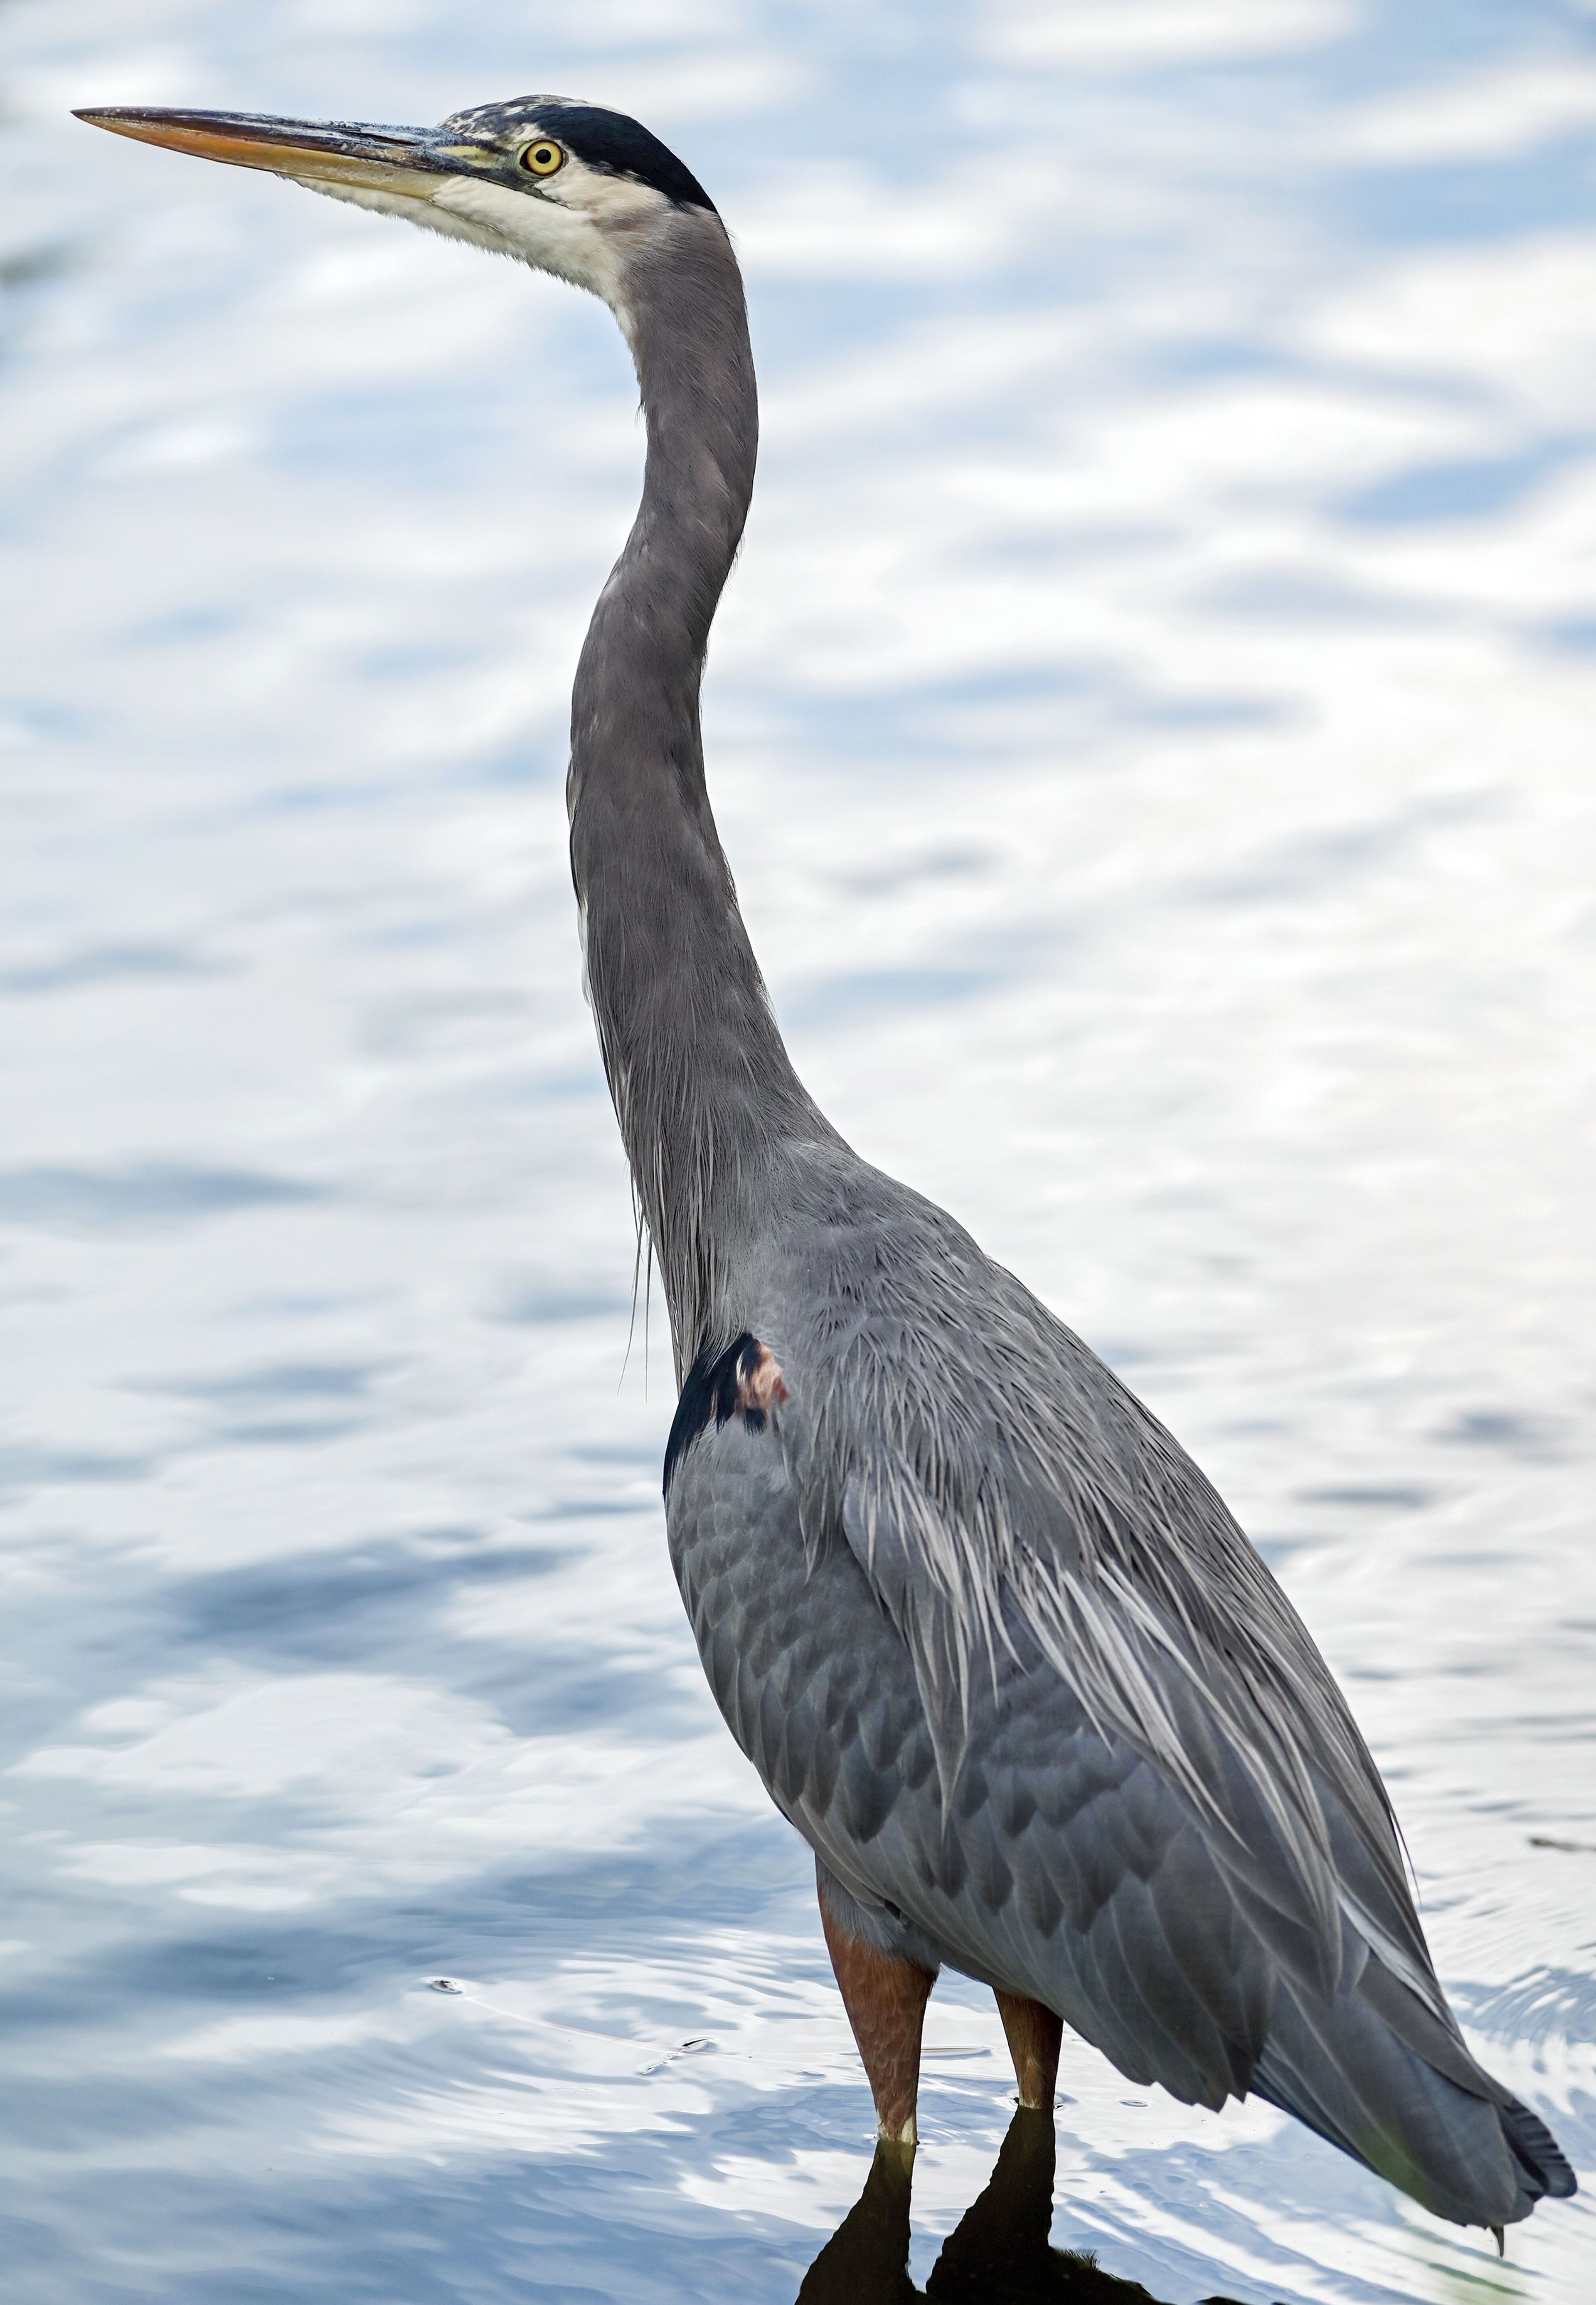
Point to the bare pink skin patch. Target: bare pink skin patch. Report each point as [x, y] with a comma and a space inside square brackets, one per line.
[760, 1386]
[745, 1381]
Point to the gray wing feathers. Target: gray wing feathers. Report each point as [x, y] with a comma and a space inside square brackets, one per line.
[1467, 2151]
[1063, 1868]
[987, 1468]
[1001, 1654]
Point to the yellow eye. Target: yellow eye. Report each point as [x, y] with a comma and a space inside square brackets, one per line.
[542, 158]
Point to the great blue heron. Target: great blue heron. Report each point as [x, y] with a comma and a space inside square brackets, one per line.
[996, 1646]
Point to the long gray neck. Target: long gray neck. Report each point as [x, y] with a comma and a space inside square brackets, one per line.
[703, 1088]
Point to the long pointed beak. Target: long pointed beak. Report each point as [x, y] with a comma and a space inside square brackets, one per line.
[334, 151]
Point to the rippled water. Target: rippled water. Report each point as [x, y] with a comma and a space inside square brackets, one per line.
[1151, 724]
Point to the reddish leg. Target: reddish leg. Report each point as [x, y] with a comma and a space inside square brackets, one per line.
[1034, 2033]
[885, 2002]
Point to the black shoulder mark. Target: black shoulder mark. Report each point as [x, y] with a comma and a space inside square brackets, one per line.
[713, 1388]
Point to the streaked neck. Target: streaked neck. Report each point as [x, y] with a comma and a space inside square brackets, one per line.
[703, 1089]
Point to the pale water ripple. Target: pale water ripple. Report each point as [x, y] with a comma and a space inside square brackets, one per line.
[1150, 723]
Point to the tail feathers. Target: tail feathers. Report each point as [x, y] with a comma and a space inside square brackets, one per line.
[1432, 2032]
[1537, 2150]
[1471, 2155]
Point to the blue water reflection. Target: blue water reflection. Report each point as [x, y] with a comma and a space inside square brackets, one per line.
[1148, 724]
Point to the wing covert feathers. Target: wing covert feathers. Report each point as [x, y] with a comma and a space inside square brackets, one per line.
[1002, 1656]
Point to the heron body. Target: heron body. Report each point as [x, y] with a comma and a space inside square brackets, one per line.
[992, 1641]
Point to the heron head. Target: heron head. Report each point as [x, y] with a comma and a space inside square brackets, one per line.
[568, 187]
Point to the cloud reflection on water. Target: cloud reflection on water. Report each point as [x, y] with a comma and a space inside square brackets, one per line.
[1149, 726]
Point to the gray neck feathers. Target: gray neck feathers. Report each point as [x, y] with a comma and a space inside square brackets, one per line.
[703, 1089]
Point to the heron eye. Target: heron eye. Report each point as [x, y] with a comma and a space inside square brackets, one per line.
[542, 158]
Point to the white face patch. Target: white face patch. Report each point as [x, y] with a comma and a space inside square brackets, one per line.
[421, 211]
[577, 225]
[538, 228]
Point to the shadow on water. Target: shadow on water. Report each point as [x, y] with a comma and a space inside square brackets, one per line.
[999, 2252]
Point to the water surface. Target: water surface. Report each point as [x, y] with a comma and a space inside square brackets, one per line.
[1150, 725]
